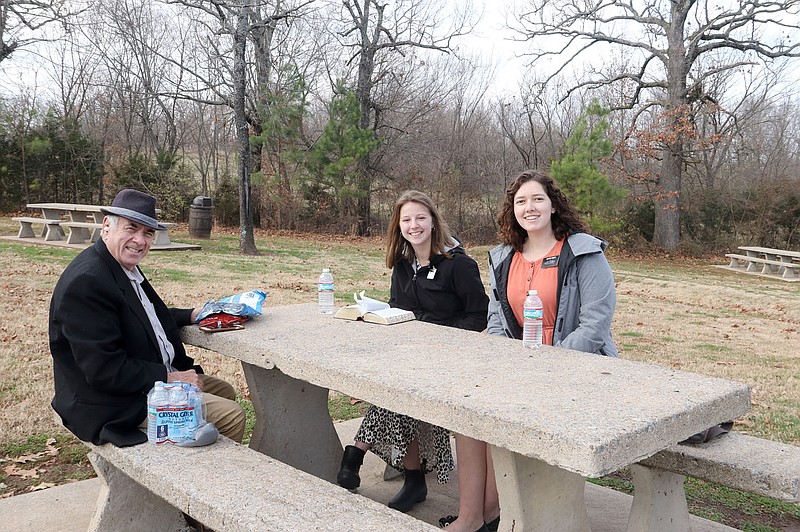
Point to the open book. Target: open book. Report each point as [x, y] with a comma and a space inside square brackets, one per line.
[373, 311]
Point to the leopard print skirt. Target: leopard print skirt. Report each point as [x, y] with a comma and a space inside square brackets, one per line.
[390, 433]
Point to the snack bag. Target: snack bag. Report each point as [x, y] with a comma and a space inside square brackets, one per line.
[230, 312]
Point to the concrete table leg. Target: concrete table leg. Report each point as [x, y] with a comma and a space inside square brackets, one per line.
[659, 501]
[75, 236]
[53, 232]
[787, 273]
[81, 234]
[535, 496]
[26, 230]
[126, 506]
[292, 422]
[162, 238]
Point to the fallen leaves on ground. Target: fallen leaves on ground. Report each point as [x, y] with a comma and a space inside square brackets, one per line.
[15, 471]
[42, 486]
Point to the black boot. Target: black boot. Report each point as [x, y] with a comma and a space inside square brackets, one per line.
[413, 491]
[351, 462]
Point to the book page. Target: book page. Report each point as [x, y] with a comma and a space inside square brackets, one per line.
[389, 315]
[391, 312]
[350, 312]
[367, 304]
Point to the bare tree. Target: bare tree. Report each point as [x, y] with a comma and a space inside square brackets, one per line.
[71, 70]
[243, 20]
[134, 39]
[536, 124]
[24, 23]
[679, 43]
[374, 31]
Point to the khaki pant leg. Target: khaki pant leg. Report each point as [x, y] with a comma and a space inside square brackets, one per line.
[218, 387]
[222, 410]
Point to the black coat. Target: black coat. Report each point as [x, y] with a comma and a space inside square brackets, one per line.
[105, 355]
[455, 296]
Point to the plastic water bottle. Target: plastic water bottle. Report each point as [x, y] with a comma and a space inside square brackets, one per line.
[195, 398]
[532, 324]
[178, 395]
[325, 292]
[156, 398]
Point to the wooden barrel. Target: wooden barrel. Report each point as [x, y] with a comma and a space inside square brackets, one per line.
[200, 218]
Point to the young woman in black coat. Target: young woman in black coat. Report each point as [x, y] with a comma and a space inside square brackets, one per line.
[435, 279]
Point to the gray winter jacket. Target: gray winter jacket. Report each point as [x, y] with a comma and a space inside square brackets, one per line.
[586, 296]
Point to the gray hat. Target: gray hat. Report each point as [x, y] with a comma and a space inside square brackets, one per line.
[135, 206]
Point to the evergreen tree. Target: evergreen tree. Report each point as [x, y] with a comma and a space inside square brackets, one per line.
[332, 187]
[282, 150]
[579, 175]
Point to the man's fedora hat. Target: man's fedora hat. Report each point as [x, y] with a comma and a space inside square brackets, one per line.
[136, 206]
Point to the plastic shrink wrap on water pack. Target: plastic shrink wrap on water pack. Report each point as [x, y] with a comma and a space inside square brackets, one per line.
[175, 416]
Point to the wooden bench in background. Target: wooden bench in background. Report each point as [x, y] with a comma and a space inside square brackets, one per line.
[227, 487]
[745, 463]
[51, 228]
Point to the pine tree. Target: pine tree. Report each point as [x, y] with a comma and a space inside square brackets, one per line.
[332, 163]
[579, 175]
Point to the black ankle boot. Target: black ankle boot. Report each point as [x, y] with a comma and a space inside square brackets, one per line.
[351, 462]
[413, 491]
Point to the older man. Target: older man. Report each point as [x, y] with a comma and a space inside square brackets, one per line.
[112, 337]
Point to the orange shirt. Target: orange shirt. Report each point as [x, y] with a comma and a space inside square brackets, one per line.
[540, 275]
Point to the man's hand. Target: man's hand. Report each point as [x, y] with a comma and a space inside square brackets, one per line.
[189, 376]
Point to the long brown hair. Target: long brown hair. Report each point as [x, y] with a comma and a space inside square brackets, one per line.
[398, 248]
[565, 219]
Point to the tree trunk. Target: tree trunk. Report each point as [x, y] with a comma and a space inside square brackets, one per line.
[366, 68]
[667, 205]
[247, 244]
[667, 230]
[364, 179]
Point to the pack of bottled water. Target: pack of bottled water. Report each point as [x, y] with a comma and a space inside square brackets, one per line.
[174, 411]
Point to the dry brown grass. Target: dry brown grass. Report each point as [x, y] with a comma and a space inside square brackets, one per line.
[684, 314]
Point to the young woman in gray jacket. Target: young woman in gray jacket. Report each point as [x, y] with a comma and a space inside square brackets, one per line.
[545, 248]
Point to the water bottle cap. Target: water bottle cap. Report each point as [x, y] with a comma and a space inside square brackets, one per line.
[326, 270]
[532, 292]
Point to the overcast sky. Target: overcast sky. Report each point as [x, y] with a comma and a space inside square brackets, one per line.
[491, 41]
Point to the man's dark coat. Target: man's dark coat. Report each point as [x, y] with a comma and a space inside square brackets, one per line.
[105, 355]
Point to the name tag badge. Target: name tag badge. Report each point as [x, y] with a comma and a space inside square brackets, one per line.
[550, 262]
[432, 273]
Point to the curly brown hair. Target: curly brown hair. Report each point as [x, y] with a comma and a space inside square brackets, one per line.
[565, 220]
[397, 247]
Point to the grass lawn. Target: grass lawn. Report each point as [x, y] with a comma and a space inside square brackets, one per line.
[680, 313]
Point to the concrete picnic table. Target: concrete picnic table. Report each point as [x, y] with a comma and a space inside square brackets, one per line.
[77, 212]
[84, 221]
[553, 417]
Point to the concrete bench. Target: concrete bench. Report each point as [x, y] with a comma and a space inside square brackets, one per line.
[745, 463]
[787, 270]
[162, 237]
[79, 231]
[51, 228]
[227, 487]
